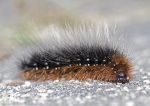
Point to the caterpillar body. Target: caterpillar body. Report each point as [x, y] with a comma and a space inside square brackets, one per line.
[80, 52]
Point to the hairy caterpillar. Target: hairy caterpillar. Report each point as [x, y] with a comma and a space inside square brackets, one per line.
[78, 52]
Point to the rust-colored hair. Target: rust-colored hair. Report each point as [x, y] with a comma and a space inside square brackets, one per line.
[106, 72]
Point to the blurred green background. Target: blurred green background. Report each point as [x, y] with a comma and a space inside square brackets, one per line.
[19, 17]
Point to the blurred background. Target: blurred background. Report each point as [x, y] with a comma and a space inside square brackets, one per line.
[19, 17]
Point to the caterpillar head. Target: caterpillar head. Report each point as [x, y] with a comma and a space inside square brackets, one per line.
[121, 75]
[123, 69]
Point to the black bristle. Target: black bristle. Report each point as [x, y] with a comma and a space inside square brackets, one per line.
[69, 56]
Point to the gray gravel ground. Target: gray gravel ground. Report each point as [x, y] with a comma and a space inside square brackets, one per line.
[88, 93]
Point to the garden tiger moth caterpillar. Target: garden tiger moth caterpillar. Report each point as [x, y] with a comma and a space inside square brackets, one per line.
[81, 52]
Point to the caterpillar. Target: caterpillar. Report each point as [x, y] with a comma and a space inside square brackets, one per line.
[76, 52]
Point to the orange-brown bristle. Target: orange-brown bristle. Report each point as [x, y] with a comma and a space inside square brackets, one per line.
[114, 71]
[73, 72]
